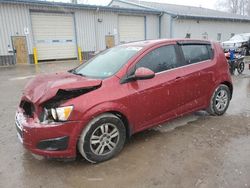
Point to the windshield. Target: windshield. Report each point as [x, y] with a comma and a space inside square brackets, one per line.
[107, 63]
[239, 38]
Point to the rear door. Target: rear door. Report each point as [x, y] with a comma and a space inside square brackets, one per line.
[197, 73]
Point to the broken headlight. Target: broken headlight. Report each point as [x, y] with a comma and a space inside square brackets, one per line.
[57, 114]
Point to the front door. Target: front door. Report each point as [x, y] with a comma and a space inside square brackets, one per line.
[20, 49]
[155, 100]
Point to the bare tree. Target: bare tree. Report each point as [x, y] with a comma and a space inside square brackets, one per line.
[248, 8]
[241, 7]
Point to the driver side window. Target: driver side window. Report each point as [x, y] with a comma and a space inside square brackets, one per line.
[160, 59]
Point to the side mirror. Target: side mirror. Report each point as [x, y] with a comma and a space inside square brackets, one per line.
[143, 73]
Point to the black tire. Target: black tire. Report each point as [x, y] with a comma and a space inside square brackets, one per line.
[90, 146]
[241, 67]
[213, 108]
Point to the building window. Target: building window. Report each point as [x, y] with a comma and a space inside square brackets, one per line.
[205, 36]
[218, 36]
[232, 34]
[188, 35]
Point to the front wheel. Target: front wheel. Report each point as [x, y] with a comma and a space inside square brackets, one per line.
[102, 139]
[220, 100]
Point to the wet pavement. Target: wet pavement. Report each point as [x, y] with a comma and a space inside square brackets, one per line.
[193, 151]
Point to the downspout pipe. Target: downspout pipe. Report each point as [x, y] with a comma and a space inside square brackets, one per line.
[160, 17]
[172, 18]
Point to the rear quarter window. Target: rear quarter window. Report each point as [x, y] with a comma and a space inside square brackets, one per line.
[194, 53]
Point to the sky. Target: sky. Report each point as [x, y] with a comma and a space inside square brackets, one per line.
[198, 3]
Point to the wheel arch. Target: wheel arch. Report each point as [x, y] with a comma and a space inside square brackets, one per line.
[230, 86]
[116, 109]
[124, 120]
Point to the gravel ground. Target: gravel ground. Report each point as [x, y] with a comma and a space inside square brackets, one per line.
[196, 150]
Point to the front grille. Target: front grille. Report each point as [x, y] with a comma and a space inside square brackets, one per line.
[28, 108]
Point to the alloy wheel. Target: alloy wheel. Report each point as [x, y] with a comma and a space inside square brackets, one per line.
[221, 100]
[104, 139]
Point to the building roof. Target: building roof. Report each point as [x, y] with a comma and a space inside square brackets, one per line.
[187, 11]
[81, 6]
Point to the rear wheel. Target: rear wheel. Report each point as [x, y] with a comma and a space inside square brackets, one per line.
[241, 67]
[220, 100]
[102, 139]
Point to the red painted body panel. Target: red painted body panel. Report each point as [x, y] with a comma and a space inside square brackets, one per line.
[144, 103]
[43, 87]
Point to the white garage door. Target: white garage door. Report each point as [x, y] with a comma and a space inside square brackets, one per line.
[54, 35]
[131, 28]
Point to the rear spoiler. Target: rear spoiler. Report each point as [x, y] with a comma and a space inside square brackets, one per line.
[189, 42]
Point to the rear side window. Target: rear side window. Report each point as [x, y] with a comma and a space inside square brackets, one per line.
[160, 59]
[194, 53]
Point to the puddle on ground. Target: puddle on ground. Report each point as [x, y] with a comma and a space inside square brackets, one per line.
[181, 121]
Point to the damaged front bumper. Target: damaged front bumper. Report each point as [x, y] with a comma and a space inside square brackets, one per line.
[57, 140]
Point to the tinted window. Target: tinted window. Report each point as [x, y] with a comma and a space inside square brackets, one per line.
[160, 59]
[194, 53]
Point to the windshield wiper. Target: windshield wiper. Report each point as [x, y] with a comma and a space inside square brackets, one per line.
[73, 71]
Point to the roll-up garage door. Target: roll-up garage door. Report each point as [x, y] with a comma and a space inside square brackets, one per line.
[54, 35]
[131, 28]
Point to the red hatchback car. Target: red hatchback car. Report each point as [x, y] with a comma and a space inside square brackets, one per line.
[123, 90]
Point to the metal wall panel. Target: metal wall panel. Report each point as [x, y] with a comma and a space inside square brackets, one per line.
[106, 24]
[152, 27]
[85, 30]
[91, 25]
[210, 29]
[14, 20]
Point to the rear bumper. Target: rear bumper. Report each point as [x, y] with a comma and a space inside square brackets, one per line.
[49, 140]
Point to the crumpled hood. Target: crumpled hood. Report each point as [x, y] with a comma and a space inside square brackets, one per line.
[44, 87]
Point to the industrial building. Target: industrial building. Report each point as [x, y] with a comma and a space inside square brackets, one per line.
[32, 31]
[178, 21]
